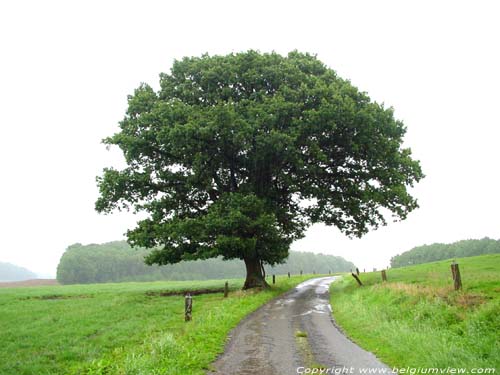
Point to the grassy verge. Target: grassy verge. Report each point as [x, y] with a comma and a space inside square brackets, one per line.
[416, 319]
[121, 328]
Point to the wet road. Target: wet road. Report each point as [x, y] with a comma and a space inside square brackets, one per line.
[293, 334]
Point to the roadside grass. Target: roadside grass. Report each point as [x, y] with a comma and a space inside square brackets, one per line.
[416, 319]
[121, 328]
[300, 334]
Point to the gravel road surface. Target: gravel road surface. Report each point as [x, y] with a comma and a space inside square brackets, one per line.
[293, 334]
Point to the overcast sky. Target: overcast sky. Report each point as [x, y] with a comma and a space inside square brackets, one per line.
[67, 67]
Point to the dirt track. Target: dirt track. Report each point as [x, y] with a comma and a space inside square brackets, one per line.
[34, 282]
[291, 334]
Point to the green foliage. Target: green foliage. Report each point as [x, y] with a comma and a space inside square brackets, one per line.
[119, 328]
[416, 319]
[11, 272]
[440, 251]
[118, 262]
[236, 155]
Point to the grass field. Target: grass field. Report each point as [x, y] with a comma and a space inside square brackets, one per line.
[416, 319]
[125, 328]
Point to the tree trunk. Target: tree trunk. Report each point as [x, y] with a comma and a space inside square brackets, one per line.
[255, 278]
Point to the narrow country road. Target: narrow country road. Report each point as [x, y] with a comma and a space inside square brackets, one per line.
[291, 335]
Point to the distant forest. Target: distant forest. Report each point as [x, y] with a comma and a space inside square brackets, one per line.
[440, 251]
[10, 272]
[117, 262]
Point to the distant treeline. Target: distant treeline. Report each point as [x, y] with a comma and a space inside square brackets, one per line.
[11, 272]
[440, 251]
[117, 262]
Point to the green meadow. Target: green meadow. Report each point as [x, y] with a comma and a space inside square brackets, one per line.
[416, 319]
[126, 328]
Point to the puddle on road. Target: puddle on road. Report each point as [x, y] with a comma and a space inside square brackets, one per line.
[321, 287]
[305, 313]
[320, 308]
[321, 283]
[285, 302]
[323, 308]
[306, 284]
[279, 304]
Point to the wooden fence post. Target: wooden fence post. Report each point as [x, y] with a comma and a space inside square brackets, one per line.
[357, 279]
[457, 279]
[384, 276]
[274, 279]
[226, 289]
[188, 308]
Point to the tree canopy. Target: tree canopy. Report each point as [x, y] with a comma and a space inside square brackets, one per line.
[236, 155]
[440, 251]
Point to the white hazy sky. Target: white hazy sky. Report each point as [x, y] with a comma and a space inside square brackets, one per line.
[66, 68]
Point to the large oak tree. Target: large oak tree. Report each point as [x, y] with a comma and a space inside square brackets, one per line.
[236, 155]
